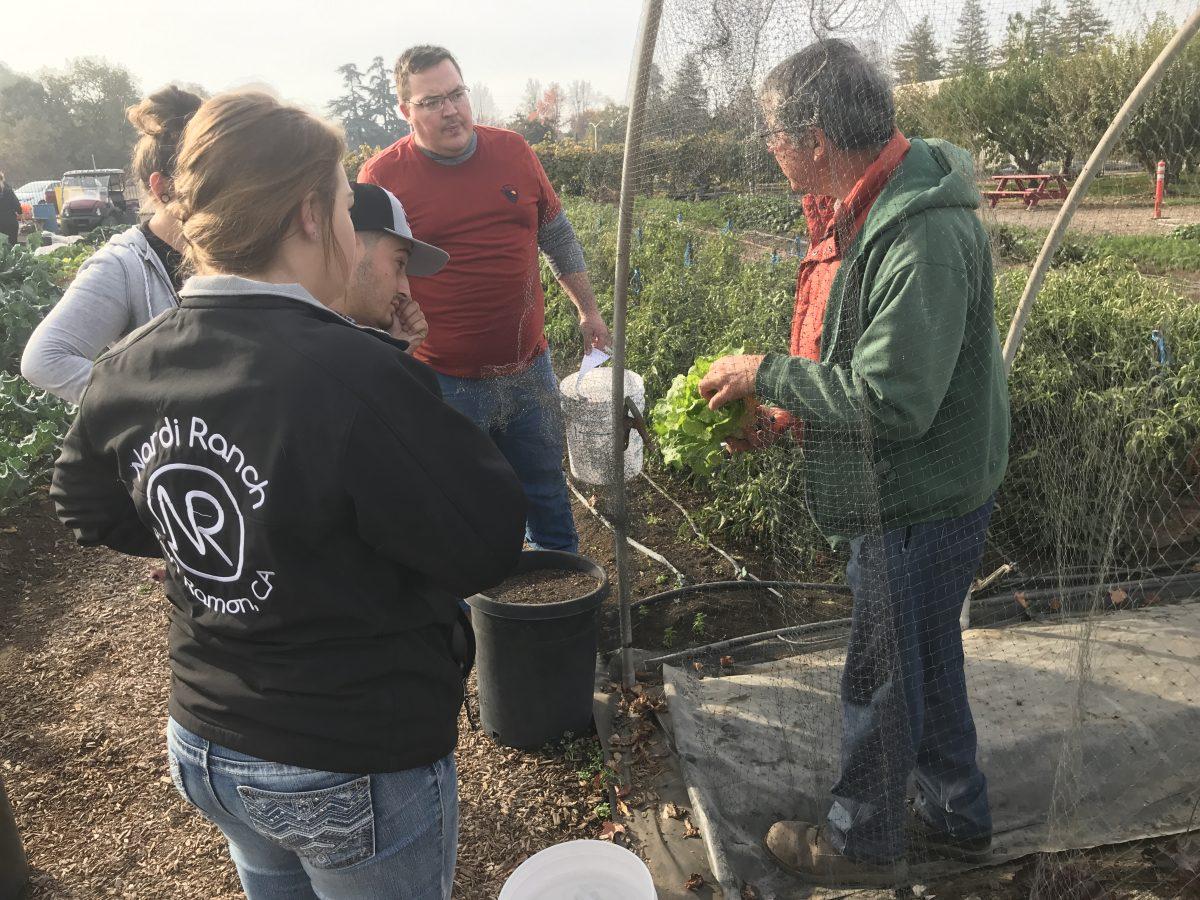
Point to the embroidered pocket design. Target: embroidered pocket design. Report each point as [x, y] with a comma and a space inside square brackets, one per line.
[331, 828]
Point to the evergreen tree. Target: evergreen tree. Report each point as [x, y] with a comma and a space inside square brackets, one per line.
[383, 104]
[687, 99]
[1044, 26]
[351, 107]
[1018, 42]
[918, 58]
[971, 48]
[1081, 27]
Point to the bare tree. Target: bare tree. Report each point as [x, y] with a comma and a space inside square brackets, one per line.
[531, 97]
[549, 109]
[581, 97]
[484, 104]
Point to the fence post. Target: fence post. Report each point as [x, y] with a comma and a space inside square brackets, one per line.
[635, 124]
[1160, 183]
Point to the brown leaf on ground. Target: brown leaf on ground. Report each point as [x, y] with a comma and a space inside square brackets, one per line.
[698, 666]
[690, 830]
[1055, 604]
[1118, 597]
[694, 883]
[750, 892]
[1044, 876]
[1019, 596]
[726, 660]
[623, 791]
[623, 808]
[610, 830]
[671, 811]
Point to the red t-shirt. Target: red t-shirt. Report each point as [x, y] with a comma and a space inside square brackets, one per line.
[486, 309]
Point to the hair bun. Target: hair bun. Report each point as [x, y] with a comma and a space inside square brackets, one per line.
[164, 111]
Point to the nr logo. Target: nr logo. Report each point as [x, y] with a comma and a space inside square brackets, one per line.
[199, 522]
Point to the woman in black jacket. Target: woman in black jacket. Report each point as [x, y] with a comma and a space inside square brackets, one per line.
[10, 211]
[320, 511]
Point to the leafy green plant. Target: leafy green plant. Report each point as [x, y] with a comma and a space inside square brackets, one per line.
[32, 422]
[32, 425]
[699, 621]
[668, 638]
[690, 434]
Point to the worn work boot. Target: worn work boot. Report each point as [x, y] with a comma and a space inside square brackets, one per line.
[804, 850]
[924, 841]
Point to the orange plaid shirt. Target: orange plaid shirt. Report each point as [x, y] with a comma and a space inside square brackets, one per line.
[832, 228]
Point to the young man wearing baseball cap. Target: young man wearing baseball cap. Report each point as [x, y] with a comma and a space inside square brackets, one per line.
[387, 253]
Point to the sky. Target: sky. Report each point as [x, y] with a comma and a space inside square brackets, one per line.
[296, 46]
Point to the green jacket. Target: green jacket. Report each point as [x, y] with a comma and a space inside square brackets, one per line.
[906, 414]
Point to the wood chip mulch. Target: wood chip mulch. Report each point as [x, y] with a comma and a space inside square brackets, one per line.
[83, 694]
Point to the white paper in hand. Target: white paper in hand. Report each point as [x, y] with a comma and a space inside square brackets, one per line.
[591, 360]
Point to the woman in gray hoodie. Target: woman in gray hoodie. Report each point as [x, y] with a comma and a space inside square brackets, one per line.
[134, 277]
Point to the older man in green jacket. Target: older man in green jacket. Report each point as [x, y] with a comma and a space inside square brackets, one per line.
[896, 379]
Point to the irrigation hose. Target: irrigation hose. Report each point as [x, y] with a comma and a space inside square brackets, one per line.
[840, 625]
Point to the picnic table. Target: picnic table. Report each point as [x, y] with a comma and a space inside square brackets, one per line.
[1031, 189]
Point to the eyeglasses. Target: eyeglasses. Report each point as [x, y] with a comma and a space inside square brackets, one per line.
[771, 135]
[433, 104]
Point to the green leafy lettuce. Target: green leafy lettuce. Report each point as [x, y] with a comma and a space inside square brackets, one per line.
[689, 433]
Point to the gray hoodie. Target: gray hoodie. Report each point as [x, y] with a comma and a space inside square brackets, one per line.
[121, 287]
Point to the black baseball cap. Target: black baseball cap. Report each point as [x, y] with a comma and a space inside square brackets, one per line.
[377, 209]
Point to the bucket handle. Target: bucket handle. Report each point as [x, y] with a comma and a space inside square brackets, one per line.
[635, 419]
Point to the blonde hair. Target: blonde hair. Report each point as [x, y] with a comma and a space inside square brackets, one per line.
[160, 120]
[246, 164]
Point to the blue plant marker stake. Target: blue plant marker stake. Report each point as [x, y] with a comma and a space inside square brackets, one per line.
[1164, 355]
[678, 218]
[638, 234]
[728, 229]
[635, 281]
[797, 245]
[774, 257]
[687, 255]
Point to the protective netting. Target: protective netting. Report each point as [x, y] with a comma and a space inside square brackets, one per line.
[900, 428]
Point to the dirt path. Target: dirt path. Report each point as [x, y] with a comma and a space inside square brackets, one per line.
[84, 673]
[1097, 219]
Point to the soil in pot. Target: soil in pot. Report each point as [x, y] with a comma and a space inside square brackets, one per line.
[544, 586]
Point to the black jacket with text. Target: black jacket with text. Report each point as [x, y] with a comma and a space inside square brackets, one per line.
[320, 510]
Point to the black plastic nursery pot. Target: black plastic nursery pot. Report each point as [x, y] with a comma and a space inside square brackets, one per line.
[14, 871]
[536, 662]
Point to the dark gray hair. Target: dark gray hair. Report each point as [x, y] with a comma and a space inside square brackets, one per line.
[418, 59]
[831, 86]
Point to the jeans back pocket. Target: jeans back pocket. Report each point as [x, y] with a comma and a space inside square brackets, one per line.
[331, 828]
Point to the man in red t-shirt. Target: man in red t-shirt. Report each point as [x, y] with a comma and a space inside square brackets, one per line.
[481, 194]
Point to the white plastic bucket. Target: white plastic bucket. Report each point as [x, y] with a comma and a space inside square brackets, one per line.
[587, 409]
[581, 870]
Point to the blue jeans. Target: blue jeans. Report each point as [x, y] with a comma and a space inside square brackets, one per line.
[904, 691]
[302, 833]
[523, 415]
